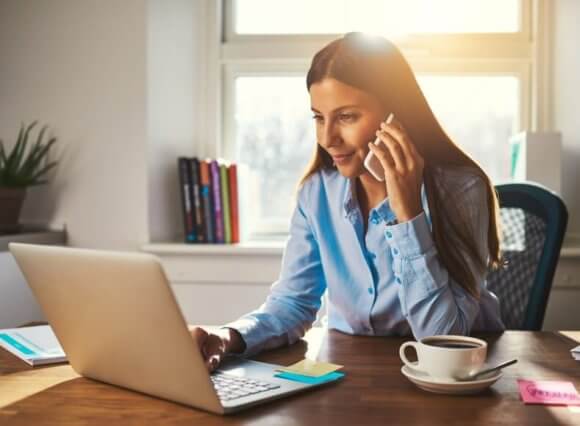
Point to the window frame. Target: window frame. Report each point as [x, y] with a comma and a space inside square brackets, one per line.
[521, 54]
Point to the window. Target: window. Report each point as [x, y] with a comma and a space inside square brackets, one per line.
[479, 112]
[382, 16]
[473, 59]
[270, 109]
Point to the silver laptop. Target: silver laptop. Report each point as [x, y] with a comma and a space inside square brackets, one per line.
[118, 322]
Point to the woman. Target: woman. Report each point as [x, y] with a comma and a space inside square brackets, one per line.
[407, 255]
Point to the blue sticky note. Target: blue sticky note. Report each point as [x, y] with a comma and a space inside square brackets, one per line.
[335, 375]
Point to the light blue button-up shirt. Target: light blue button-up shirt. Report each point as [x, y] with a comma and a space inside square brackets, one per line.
[388, 281]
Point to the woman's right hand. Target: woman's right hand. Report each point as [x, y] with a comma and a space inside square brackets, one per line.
[215, 345]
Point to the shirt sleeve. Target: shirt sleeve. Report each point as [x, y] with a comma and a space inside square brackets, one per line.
[294, 299]
[431, 302]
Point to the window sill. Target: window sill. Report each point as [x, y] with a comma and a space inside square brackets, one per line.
[258, 262]
[570, 248]
[570, 252]
[250, 248]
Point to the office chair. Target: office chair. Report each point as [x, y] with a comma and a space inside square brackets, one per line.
[533, 222]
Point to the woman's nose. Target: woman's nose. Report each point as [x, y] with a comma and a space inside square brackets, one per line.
[330, 136]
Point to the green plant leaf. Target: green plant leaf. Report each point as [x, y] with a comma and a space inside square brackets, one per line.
[36, 147]
[2, 154]
[38, 152]
[2, 161]
[22, 150]
[21, 166]
[33, 161]
[34, 180]
[17, 153]
[32, 154]
[11, 160]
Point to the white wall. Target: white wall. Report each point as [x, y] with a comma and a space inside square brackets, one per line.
[174, 84]
[17, 304]
[81, 67]
[563, 307]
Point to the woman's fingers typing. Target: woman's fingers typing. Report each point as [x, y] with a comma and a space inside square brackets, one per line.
[215, 350]
[210, 346]
[200, 336]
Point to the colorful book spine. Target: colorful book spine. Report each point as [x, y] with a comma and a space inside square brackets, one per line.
[226, 203]
[197, 201]
[207, 196]
[217, 197]
[234, 203]
[184, 180]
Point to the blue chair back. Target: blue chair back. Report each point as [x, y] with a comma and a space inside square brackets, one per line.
[533, 222]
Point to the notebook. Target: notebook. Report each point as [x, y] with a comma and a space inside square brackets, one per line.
[35, 345]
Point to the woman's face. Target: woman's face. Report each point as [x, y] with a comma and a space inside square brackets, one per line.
[346, 121]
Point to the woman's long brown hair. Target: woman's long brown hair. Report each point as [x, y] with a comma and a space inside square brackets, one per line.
[375, 65]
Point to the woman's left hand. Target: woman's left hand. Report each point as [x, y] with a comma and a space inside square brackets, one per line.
[403, 167]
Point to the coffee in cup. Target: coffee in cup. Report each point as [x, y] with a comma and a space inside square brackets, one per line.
[447, 357]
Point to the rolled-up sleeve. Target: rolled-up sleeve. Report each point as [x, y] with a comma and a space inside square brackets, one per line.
[295, 298]
[430, 300]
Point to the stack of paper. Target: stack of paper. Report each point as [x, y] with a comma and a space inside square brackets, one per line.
[575, 353]
[311, 372]
[36, 345]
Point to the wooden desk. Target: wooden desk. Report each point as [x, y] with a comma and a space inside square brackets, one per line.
[374, 391]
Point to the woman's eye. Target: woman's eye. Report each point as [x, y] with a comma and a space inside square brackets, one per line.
[348, 117]
[317, 118]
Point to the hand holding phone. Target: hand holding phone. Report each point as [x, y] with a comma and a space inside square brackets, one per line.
[395, 153]
[372, 163]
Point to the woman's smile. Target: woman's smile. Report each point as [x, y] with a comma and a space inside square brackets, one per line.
[342, 158]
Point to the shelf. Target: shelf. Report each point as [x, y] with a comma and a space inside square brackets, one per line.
[33, 236]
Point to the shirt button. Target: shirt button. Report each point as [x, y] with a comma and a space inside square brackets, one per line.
[375, 220]
[370, 289]
[395, 251]
[389, 234]
[398, 280]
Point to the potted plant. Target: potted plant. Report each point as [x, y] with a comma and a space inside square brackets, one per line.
[21, 167]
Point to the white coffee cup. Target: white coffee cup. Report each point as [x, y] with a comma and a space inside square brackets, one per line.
[447, 357]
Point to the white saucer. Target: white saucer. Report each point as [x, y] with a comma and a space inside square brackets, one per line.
[454, 387]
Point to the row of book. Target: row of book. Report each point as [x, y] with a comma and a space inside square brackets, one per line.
[209, 196]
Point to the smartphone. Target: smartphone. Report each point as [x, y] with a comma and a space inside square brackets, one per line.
[372, 163]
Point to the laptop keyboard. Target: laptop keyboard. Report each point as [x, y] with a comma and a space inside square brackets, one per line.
[230, 387]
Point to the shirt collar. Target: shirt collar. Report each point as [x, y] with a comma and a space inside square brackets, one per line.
[350, 203]
[381, 212]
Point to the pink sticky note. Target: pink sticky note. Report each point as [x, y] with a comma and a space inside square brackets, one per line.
[548, 392]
